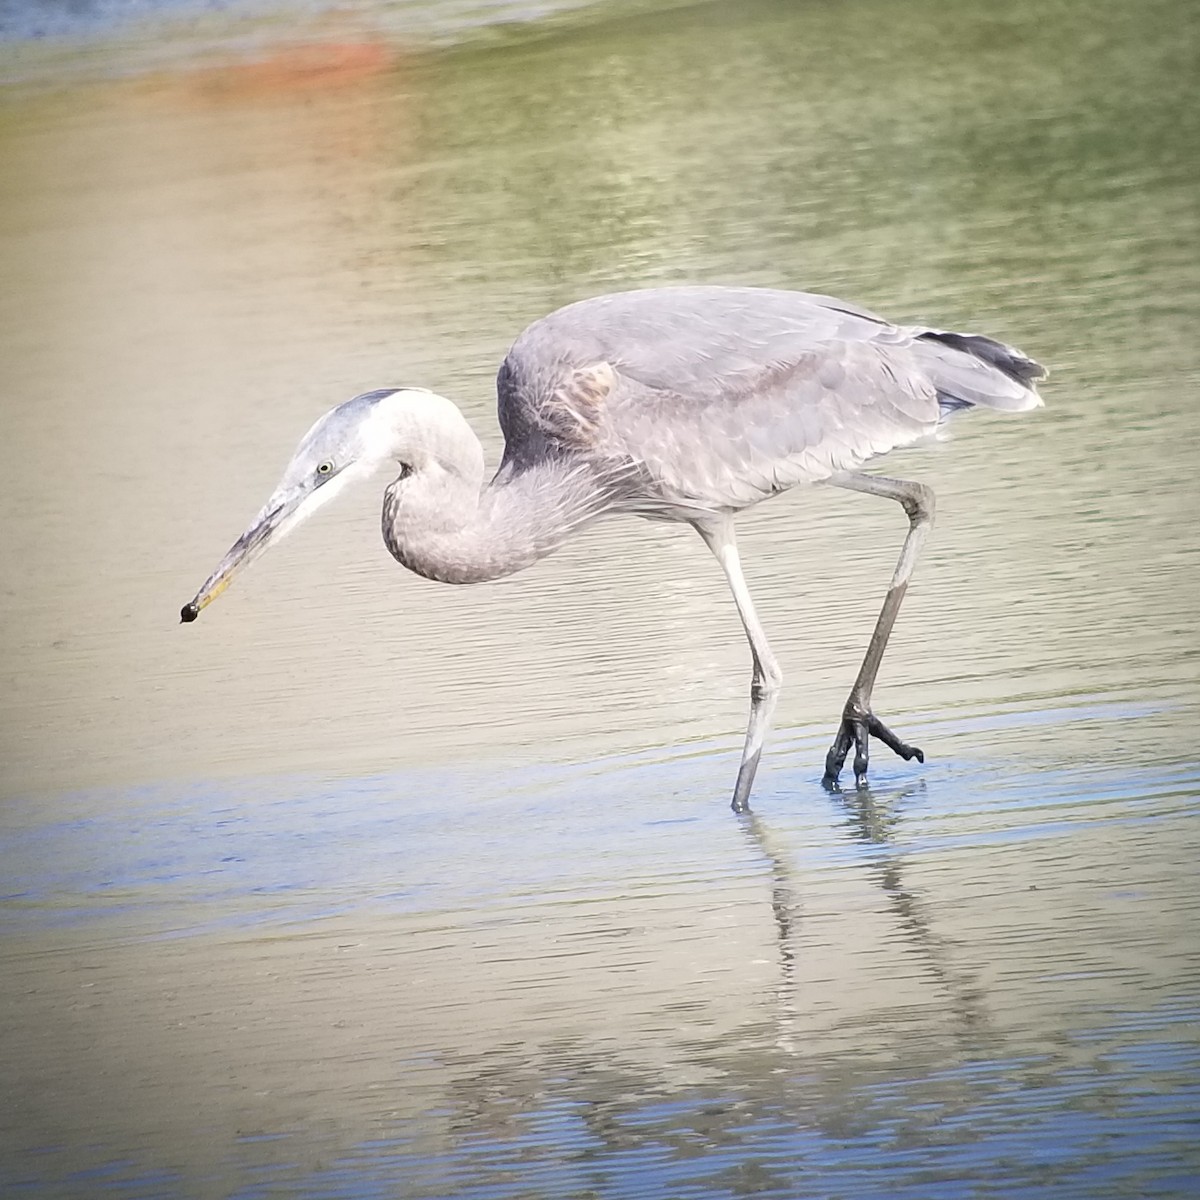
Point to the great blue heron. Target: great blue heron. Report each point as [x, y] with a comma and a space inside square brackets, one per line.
[679, 404]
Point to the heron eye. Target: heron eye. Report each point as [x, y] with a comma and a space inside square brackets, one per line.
[326, 468]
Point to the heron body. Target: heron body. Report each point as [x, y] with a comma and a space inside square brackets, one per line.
[682, 404]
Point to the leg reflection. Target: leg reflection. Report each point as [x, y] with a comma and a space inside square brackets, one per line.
[875, 818]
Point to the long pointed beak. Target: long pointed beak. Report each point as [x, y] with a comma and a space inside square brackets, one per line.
[247, 548]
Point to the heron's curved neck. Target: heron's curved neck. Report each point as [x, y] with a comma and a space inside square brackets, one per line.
[443, 525]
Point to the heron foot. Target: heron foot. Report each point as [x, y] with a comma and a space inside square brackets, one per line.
[856, 729]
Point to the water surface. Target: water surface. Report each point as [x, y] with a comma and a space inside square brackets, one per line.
[363, 885]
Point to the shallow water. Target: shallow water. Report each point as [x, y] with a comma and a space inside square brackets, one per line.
[365, 886]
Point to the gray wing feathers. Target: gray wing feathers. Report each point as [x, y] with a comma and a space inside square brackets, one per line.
[829, 411]
[723, 396]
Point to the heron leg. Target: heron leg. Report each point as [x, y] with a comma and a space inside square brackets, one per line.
[766, 678]
[858, 722]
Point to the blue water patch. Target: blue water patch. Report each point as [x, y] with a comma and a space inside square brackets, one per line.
[881, 1043]
[1010, 1126]
[176, 859]
[97, 20]
[24, 20]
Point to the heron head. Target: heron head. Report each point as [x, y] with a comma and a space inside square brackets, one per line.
[349, 442]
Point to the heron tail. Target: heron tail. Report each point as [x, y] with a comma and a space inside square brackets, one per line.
[970, 370]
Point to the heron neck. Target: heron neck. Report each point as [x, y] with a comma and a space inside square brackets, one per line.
[454, 533]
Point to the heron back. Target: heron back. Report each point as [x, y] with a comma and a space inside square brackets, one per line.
[723, 396]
